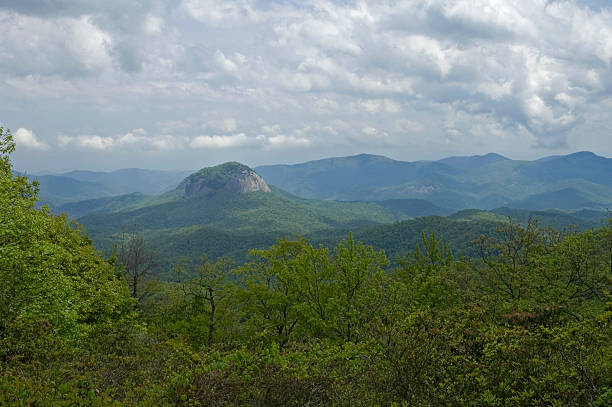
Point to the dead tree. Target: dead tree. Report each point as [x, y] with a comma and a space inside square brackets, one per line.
[137, 260]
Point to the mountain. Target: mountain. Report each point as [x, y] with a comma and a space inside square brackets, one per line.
[232, 177]
[130, 180]
[108, 204]
[228, 209]
[58, 189]
[227, 200]
[582, 165]
[571, 182]
[222, 197]
[414, 208]
[361, 177]
[575, 181]
[474, 161]
[75, 186]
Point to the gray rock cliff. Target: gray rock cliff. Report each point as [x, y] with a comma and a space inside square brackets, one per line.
[232, 177]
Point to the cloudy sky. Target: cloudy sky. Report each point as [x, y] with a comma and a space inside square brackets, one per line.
[182, 84]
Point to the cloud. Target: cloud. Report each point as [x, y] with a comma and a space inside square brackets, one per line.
[134, 141]
[282, 140]
[63, 45]
[225, 63]
[406, 125]
[27, 139]
[95, 142]
[216, 142]
[153, 25]
[219, 11]
[132, 138]
[246, 75]
[168, 142]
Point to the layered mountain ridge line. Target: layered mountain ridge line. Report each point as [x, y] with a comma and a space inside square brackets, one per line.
[570, 182]
[226, 209]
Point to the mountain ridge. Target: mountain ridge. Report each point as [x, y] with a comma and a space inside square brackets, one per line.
[480, 181]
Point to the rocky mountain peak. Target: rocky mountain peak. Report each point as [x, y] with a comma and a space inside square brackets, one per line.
[232, 176]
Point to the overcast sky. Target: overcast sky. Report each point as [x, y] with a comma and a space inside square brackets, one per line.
[183, 84]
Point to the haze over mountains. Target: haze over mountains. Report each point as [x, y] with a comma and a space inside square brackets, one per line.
[571, 182]
[580, 180]
[56, 189]
[225, 209]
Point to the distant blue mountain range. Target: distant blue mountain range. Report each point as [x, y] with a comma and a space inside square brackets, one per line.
[574, 181]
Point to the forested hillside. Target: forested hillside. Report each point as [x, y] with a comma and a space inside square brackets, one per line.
[525, 321]
[228, 209]
[576, 181]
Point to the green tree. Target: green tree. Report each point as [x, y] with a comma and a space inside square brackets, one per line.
[512, 260]
[271, 293]
[55, 287]
[428, 273]
[357, 287]
[209, 289]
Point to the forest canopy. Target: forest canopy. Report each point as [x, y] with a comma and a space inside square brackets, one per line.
[525, 321]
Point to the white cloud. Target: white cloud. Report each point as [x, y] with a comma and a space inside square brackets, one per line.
[95, 142]
[32, 45]
[236, 140]
[153, 25]
[131, 138]
[87, 142]
[168, 142]
[135, 140]
[282, 140]
[219, 11]
[271, 129]
[27, 138]
[89, 44]
[323, 74]
[225, 63]
[63, 140]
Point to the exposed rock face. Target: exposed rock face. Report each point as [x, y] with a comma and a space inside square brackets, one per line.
[233, 177]
[247, 181]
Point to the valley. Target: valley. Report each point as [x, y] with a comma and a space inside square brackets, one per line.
[226, 210]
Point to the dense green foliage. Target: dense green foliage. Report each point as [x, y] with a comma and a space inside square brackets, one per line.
[526, 321]
[56, 290]
[222, 223]
[396, 239]
[101, 205]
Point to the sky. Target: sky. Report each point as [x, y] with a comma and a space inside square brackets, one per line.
[184, 84]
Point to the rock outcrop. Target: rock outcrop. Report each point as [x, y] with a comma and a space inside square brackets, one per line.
[247, 181]
[232, 177]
